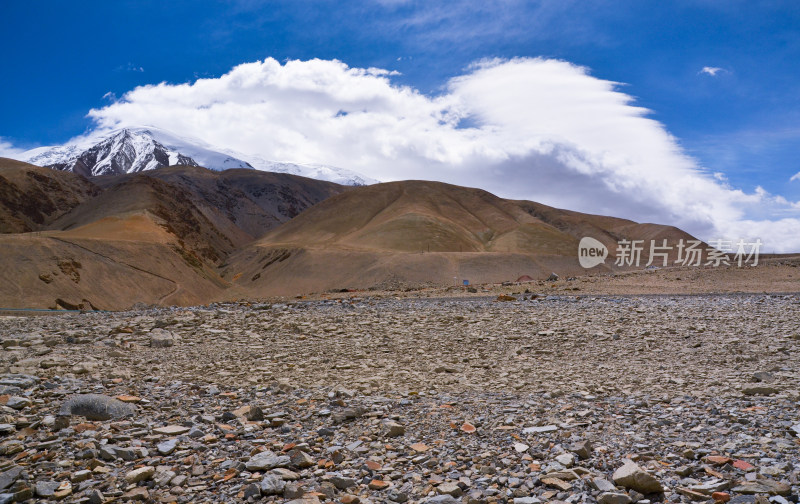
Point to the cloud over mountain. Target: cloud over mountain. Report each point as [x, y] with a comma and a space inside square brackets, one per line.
[531, 128]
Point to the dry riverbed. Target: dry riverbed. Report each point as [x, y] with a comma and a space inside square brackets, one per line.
[375, 399]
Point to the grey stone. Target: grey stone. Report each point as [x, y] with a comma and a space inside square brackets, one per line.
[306, 499]
[46, 488]
[19, 380]
[255, 414]
[161, 338]
[397, 496]
[603, 485]
[252, 491]
[583, 449]
[526, 500]
[758, 390]
[613, 498]
[539, 430]
[777, 499]
[162, 477]
[449, 489]
[395, 429]
[293, 491]
[272, 485]
[96, 407]
[710, 487]
[79, 476]
[9, 476]
[300, 459]
[342, 483]
[763, 486]
[327, 489]
[167, 447]
[566, 459]
[195, 432]
[125, 453]
[266, 460]
[18, 402]
[442, 499]
[630, 475]
[764, 376]
[96, 497]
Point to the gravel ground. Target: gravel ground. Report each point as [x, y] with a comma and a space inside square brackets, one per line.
[377, 399]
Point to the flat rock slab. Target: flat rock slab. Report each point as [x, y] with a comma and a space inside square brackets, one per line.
[764, 486]
[171, 430]
[760, 390]
[8, 477]
[613, 498]
[19, 380]
[539, 430]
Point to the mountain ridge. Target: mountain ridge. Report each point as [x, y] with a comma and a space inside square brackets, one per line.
[189, 235]
[135, 149]
[424, 233]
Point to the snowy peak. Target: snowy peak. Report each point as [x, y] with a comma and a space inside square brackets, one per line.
[131, 150]
[126, 152]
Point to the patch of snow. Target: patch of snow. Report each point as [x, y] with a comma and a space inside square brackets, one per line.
[44, 156]
[316, 171]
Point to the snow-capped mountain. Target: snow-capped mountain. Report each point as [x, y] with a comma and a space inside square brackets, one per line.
[316, 171]
[132, 150]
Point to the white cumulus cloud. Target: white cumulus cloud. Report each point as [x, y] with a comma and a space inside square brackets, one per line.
[712, 71]
[531, 128]
[8, 150]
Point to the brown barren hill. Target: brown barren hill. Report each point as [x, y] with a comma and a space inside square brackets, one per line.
[187, 235]
[31, 196]
[417, 232]
[154, 238]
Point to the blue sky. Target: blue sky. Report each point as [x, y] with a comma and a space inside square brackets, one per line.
[740, 118]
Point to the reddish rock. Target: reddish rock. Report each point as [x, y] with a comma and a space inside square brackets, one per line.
[721, 496]
[377, 484]
[372, 465]
[128, 398]
[83, 427]
[718, 460]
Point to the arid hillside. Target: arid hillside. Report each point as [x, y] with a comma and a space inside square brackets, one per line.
[155, 238]
[186, 235]
[416, 232]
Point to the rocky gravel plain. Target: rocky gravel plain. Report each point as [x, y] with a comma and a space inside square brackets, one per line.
[371, 399]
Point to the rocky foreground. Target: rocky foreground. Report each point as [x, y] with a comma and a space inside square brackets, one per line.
[613, 400]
